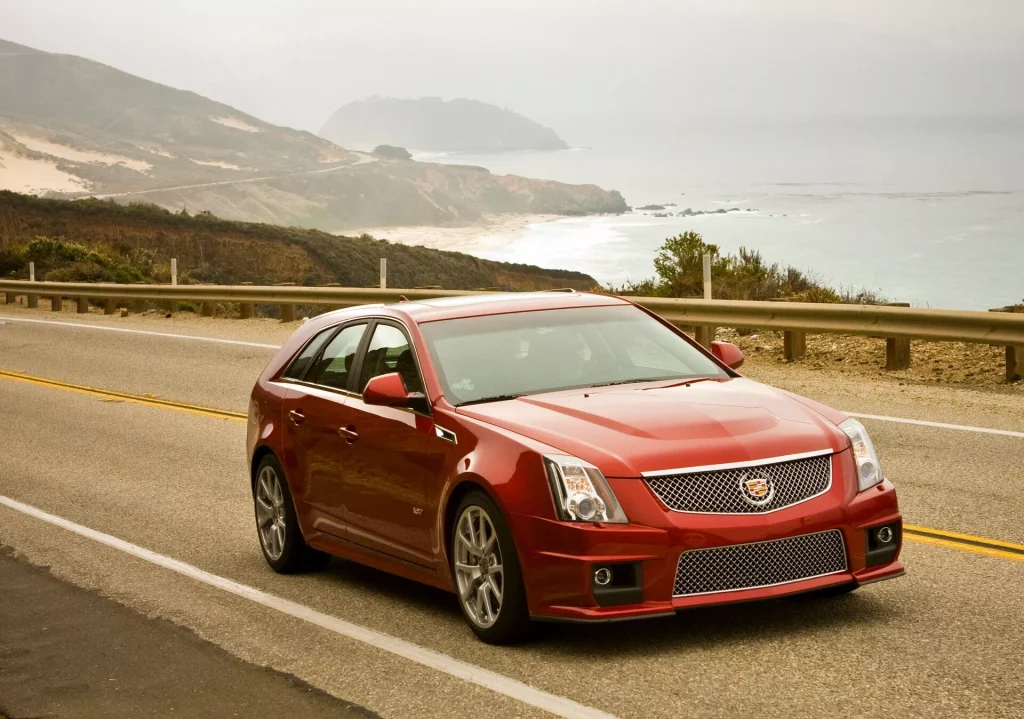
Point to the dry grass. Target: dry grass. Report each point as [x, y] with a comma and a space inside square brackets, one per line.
[953, 363]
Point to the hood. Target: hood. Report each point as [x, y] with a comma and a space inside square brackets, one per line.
[625, 431]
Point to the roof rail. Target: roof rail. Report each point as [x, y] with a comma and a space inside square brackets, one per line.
[561, 289]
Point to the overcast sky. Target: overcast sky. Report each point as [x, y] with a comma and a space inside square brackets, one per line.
[581, 66]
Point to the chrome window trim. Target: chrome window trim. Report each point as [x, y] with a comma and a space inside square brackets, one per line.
[339, 325]
[286, 381]
[737, 465]
[845, 569]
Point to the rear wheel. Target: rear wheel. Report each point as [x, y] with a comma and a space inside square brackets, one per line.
[487, 574]
[277, 526]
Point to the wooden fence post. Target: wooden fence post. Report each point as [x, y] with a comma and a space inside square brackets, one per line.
[83, 305]
[897, 349]
[1014, 353]
[109, 306]
[245, 310]
[56, 303]
[705, 334]
[794, 344]
[207, 309]
[33, 300]
[173, 305]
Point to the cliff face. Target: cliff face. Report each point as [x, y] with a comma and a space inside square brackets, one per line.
[78, 128]
[430, 123]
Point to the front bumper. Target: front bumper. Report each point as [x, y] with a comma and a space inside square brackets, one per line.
[559, 558]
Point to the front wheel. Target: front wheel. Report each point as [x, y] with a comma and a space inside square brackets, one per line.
[487, 575]
[277, 526]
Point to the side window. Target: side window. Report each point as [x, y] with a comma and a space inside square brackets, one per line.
[389, 351]
[338, 356]
[298, 366]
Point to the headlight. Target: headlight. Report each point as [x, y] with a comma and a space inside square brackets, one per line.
[869, 469]
[581, 492]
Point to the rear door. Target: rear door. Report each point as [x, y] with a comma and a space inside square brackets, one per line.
[314, 411]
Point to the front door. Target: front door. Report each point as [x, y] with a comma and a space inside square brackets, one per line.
[387, 472]
[314, 412]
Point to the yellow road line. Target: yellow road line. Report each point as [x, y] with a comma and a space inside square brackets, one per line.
[911, 532]
[125, 397]
[964, 542]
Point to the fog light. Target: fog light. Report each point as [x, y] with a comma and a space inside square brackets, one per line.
[884, 535]
[603, 577]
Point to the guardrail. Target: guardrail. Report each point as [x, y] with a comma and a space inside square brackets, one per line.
[794, 319]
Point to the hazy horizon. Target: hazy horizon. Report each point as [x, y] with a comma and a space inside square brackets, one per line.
[586, 70]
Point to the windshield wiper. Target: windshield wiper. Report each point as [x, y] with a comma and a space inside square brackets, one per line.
[688, 382]
[495, 398]
[626, 381]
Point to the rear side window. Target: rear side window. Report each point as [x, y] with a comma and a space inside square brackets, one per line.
[298, 366]
[336, 362]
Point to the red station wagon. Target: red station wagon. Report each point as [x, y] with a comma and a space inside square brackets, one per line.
[557, 456]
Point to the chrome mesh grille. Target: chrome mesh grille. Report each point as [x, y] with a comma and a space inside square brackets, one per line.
[760, 564]
[721, 492]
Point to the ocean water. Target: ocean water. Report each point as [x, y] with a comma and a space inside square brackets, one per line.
[925, 210]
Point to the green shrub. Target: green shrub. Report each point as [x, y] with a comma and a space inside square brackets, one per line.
[744, 276]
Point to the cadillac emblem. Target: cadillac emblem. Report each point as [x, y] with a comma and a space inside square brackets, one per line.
[757, 488]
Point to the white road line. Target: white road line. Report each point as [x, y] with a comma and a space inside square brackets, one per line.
[471, 673]
[940, 425]
[82, 325]
[879, 417]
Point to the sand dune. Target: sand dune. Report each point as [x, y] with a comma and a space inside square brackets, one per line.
[235, 124]
[223, 165]
[53, 149]
[34, 176]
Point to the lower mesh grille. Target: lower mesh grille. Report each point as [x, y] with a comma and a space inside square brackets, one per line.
[760, 564]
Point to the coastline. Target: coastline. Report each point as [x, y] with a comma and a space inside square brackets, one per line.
[493, 233]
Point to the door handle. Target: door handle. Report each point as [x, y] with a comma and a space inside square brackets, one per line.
[349, 433]
[296, 417]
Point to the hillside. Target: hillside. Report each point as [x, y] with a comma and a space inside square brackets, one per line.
[137, 241]
[430, 123]
[76, 127]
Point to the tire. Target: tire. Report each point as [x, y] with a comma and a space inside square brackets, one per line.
[277, 527]
[507, 620]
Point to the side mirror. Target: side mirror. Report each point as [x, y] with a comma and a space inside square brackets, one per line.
[728, 354]
[388, 390]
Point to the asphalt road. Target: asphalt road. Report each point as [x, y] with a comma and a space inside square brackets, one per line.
[946, 640]
[70, 652]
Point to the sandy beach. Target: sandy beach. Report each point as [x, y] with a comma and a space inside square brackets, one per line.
[493, 232]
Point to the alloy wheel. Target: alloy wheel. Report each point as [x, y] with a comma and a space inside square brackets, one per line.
[270, 512]
[478, 568]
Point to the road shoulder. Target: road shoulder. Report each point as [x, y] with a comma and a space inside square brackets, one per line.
[70, 652]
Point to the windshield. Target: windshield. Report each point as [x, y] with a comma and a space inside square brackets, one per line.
[498, 356]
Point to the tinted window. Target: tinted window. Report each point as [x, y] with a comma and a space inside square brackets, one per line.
[478, 358]
[388, 352]
[298, 366]
[338, 356]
